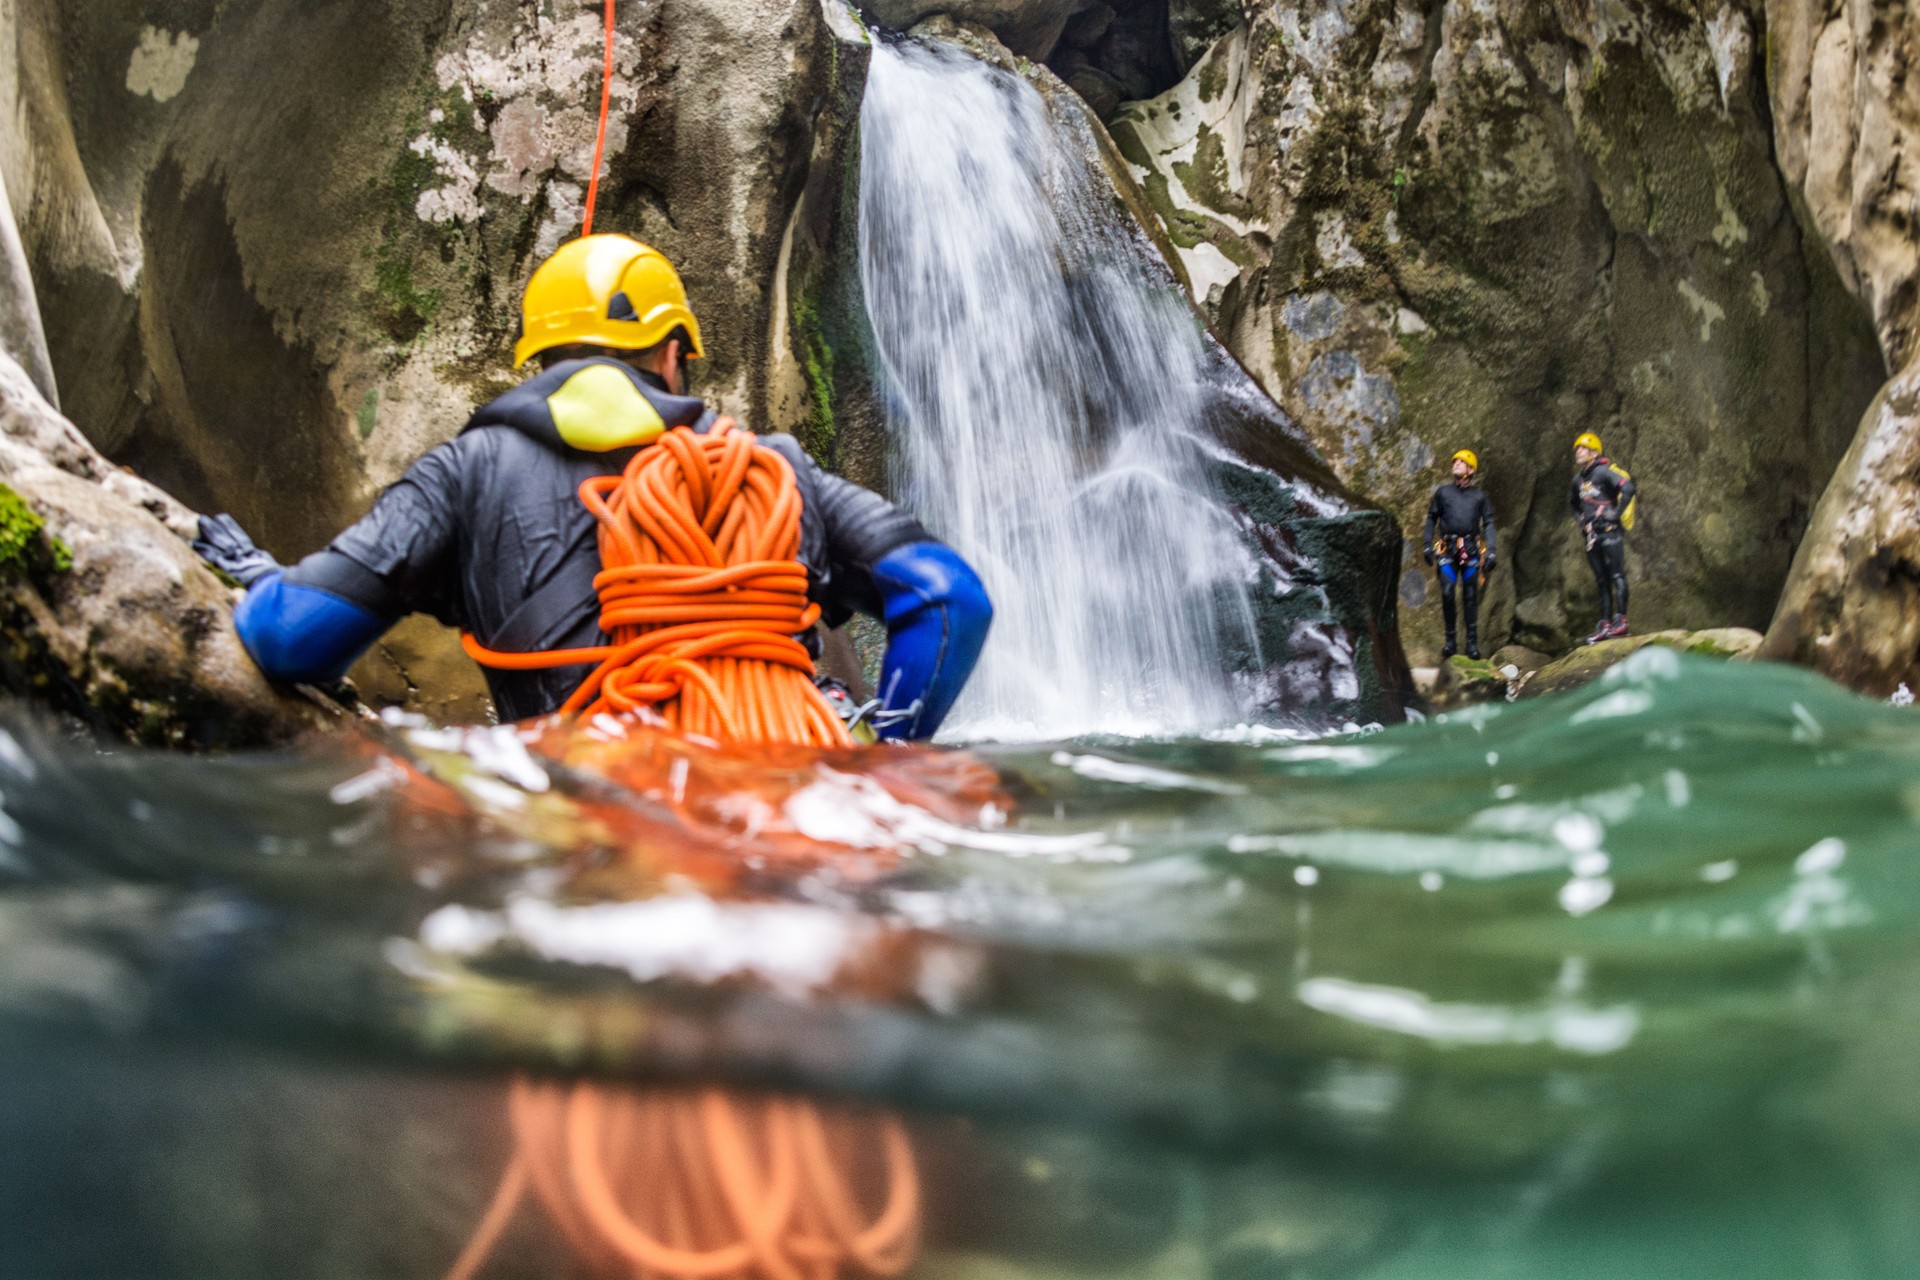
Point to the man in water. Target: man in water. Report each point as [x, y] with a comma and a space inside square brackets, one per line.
[1603, 506]
[1459, 539]
[487, 532]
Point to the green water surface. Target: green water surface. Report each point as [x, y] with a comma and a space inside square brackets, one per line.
[1615, 984]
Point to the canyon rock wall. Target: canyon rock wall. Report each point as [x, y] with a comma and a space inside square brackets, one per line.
[269, 252]
[1498, 225]
[1847, 128]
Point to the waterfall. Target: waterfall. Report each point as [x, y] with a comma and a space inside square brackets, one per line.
[1045, 396]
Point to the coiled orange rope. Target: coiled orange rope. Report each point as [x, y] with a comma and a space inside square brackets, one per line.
[702, 596]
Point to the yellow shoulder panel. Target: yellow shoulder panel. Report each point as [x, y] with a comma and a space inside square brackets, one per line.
[599, 408]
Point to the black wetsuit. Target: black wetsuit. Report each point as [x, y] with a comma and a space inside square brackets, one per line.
[1601, 494]
[1459, 543]
[487, 533]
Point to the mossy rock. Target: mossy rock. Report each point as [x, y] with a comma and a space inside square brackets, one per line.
[1461, 681]
[25, 544]
[1732, 644]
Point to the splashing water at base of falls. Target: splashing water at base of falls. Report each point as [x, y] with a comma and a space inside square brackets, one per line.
[1045, 396]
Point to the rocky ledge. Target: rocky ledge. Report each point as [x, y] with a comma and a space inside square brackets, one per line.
[1515, 672]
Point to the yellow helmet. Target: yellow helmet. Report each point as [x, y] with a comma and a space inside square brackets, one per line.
[1467, 456]
[1588, 440]
[604, 291]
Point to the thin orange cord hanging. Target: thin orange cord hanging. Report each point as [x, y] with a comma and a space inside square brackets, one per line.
[600, 138]
[702, 595]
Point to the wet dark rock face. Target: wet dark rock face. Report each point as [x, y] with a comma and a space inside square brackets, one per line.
[1114, 53]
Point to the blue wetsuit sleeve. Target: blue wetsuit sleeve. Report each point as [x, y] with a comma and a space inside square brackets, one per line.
[937, 615]
[302, 634]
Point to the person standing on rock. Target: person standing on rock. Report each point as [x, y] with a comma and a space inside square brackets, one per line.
[1603, 495]
[487, 532]
[1459, 541]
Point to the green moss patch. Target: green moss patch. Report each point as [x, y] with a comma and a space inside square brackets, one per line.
[25, 544]
[817, 366]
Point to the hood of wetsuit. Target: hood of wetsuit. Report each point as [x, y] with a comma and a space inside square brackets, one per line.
[596, 405]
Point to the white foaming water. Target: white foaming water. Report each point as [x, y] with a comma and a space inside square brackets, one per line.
[1045, 395]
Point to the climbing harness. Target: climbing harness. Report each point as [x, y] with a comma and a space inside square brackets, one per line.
[1459, 555]
[702, 595]
[600, 136]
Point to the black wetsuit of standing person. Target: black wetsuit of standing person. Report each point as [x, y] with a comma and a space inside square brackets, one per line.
[1602, 497]
[1459, 542]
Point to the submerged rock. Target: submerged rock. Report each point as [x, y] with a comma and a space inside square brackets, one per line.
[1498, 225]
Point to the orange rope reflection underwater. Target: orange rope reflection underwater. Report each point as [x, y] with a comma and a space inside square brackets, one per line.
[702, 596]
[706, 1183]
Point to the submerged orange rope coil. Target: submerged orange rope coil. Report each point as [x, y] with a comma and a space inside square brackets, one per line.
[702, 596]
[704, 1183]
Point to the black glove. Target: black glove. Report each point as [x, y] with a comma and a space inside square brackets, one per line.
[1427, 552]
[1486, 564]
[225, 545]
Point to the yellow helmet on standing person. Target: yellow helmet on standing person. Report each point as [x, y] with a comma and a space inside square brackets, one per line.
[1588, 440]
[604, 291]
[1469, 457]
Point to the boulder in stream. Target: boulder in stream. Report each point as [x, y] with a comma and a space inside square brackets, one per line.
[1729, 644]
[105, 612]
